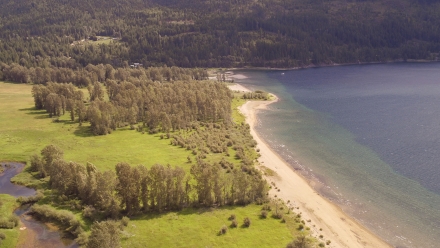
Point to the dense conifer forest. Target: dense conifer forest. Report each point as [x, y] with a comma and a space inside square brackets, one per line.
[236, 33]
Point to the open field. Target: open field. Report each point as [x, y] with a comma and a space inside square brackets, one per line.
[25, 131]
[200, 228]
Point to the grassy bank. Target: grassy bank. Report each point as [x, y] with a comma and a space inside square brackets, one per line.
[7, 206]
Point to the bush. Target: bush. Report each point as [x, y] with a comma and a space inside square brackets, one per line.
[64, 218]
[278, 215]
[234, 223]
[223, 230]
[267, 208]
[300, 242]
[5, 224]
[82, 239]
[264, 214]
[14, 219]
[125, 220]
[247, 222]
[300, 227]
[89, 212]
[30, 199]
[232, 217]
[2, 236]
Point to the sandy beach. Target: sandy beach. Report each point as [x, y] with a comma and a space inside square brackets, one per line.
[326, 218]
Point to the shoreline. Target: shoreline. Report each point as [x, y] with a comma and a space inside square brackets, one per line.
[338, 227]
[232, 69]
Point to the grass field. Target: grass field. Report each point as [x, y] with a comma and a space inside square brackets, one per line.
[25, 131]
[8, 204]
[200, 228]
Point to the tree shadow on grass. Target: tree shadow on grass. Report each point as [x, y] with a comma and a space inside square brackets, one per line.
[40, 113]
[82, 131]
[185, 211]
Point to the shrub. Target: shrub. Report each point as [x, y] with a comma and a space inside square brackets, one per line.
[30, 199]
[267, 208]
[247, 222]
[2, 236]
[5, 224]
[277, 215]
[234, 223]
[64, 218]
[300, 241]
[264, 214]
[232, 217]
[89, 212]
[125, 220]
[14, 219]
[223, 230]
[82, 239]
[300, 227]
[321, 244]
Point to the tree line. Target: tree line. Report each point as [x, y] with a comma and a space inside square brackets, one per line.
[195, 33]
[138, 189]
[83, 77]
[158, 106]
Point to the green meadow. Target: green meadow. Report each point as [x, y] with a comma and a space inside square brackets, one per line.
[7, 206]
[25, 131]
[200, 228]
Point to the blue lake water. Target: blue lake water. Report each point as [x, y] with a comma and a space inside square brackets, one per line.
[367, 136]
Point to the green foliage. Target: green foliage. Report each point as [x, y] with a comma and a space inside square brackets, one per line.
[104, 234]
[196, 33]
[300, 242]
[156, 189]
[234, 223]
[65, 219]
[247, 222]
[223, 230]
[125, 220]
[258, 95]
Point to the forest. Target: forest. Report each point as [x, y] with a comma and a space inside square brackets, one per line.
[237, 33]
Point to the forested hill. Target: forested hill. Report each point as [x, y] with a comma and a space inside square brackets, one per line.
[217, 33]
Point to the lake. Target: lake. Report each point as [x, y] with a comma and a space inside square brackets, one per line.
[367, 137]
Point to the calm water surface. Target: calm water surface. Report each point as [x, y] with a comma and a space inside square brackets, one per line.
[369, 135]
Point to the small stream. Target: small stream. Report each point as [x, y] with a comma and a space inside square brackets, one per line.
[38, 234]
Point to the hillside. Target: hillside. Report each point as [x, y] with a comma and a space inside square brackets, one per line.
[234, 33]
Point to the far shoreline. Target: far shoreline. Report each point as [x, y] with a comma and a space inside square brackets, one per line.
[328, 219]
[400, 61]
